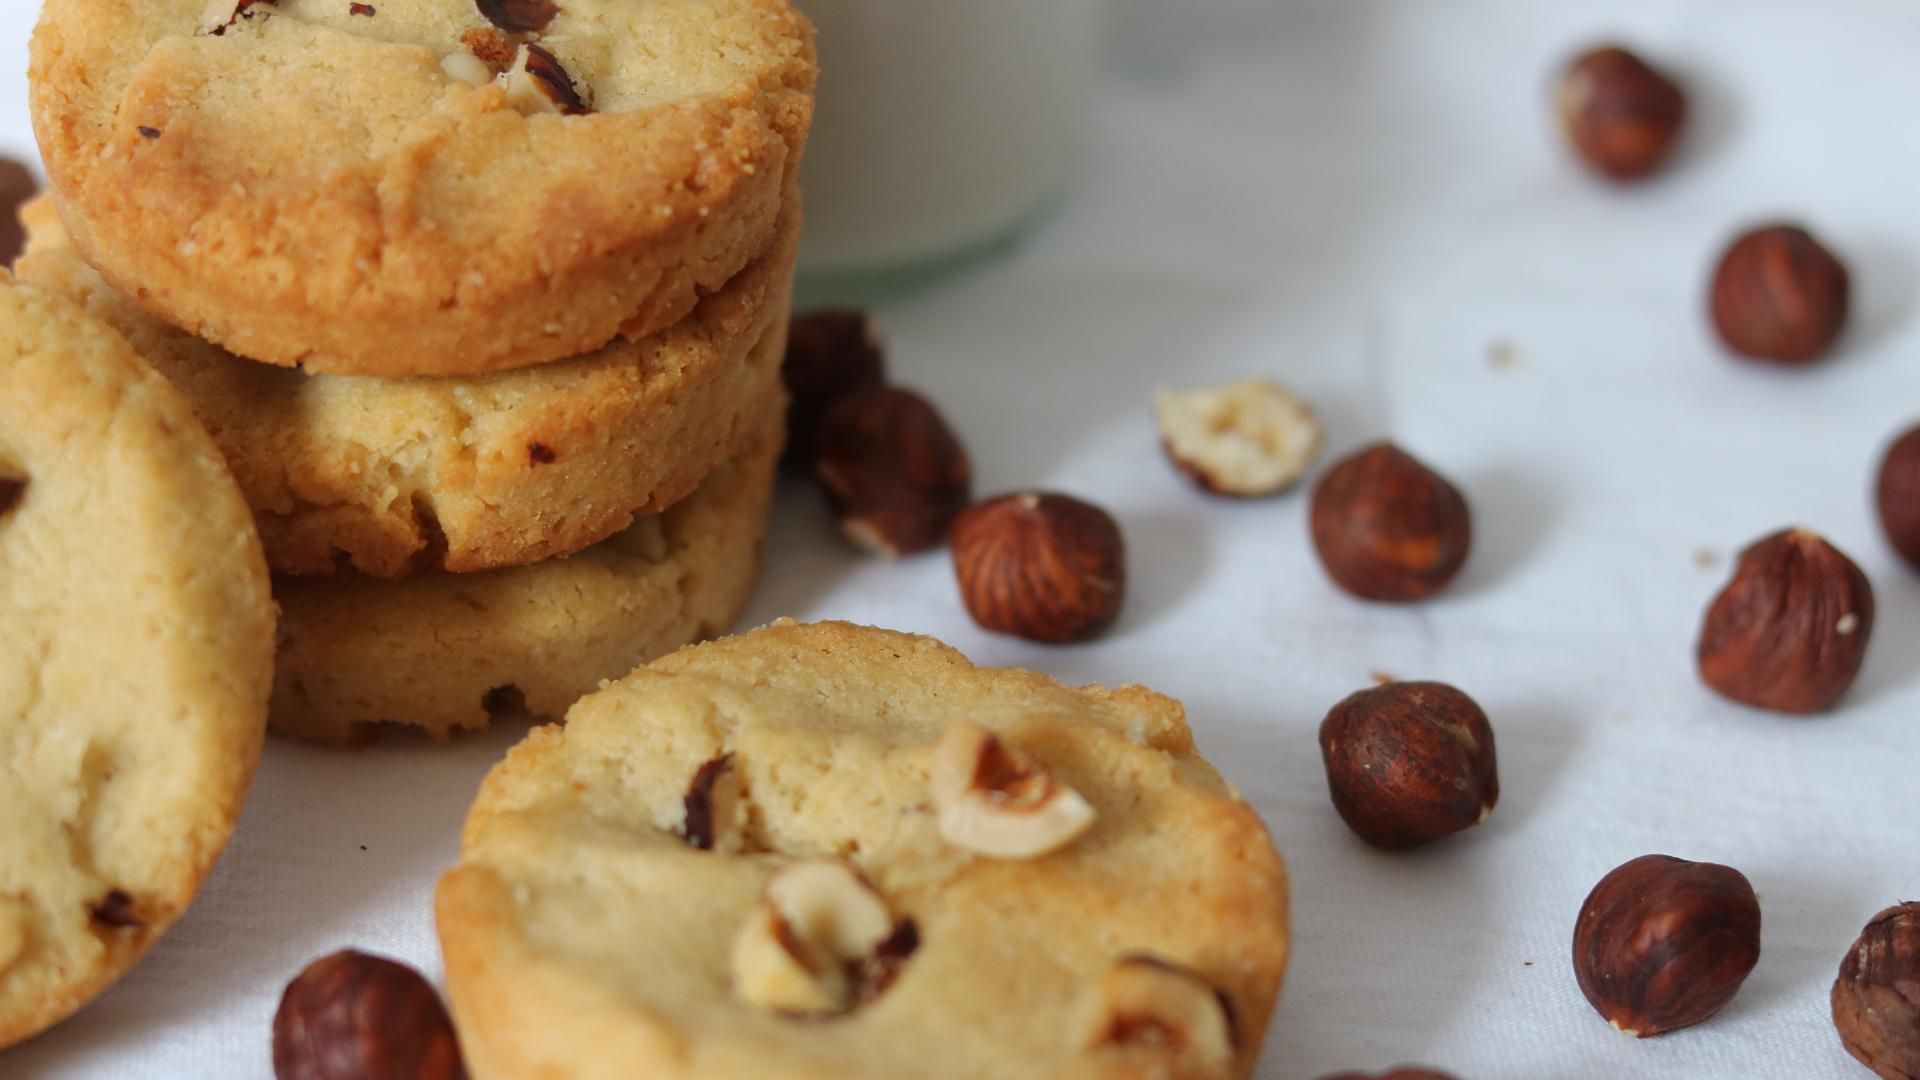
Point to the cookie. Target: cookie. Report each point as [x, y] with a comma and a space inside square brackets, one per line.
[831, 851]
[138, 637]
[388, 477]
[447, 653]
[403, 187]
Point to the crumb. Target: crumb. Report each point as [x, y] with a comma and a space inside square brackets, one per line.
[1503, 355]
[1381, 678]
[1706, 558]
[363, 847]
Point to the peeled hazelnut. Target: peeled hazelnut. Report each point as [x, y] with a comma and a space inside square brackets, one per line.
[1044, 567]
[713, 807]
[1622, 116]
[1779, 295]
[1388, 528]
[1789, 632]
[1245, 439]
[1897, 495]
[805, 949]
[993, 800]
[351, 1015]
[1876, 999]
[1404, 1072]
[467, 68]
[1663, 943]
[1409, 763]
[1145, 1003]
[830, 354]
[894, 473]
[519, 16]
[537, 83]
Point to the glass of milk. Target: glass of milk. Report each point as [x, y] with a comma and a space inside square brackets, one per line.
[941, 124]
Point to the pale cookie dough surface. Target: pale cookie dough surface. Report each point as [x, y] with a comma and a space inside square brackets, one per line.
[137, 655]
[585, 938]
[446, 653]
[388, 477]
[317, 186]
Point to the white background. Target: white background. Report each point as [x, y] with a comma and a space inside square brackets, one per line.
[1362, 198]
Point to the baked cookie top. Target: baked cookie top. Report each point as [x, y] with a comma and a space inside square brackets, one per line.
[829, 851]
[421, 187]
[139, 653]
[390, 477]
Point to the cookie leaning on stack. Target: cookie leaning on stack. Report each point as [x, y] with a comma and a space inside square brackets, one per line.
[830, 851]
[536, 270]
[133, 686]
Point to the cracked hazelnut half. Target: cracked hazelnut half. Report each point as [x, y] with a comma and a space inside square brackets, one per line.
[713, 806]
[993, 800]
[537, 83]
[355, 1015]
[806, 946]
[1143, 1002]
[1245, 439]
[1876, 998]
[1790, 631]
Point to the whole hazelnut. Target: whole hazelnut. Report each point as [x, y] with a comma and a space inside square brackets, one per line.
[1876, 999]
[1409, 763]
[1621, 115]
[1388, 528]
[1663, 943]
[1898, 496]
[1404, 1072]
[1778, 295]
[1789, 632]
[830, 354]
[351, 1016]
[1044, 567]
[894, 473]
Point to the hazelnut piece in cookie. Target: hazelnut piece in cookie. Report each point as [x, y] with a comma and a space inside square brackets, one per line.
[1144, 1002]
[805, 946]
[713, 808]
[993, 800]
[537, 83]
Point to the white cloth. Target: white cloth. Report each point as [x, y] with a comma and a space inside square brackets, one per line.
[1363, 198]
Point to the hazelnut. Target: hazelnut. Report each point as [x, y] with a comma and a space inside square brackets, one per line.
[1245, 439]
[1044, 567]
[993, 800]
[364, 1017]
[1409, 763]
[1789, 632]
[1145, 1003]
[1663, 943]
[12, 490]
[1897, 493]
[119, 910]
[1779, 295]
[808, 946]
[519, 16]
[537, 83]
[464, 67]
[1388, 528]
[830, 354]
[714, 808]
[1404, 1072]
[220, 14]
[17, 188]
[1876, 999]
[894, 473]
[1621, 115]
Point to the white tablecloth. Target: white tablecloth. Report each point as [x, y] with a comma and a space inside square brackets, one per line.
[1364, 199]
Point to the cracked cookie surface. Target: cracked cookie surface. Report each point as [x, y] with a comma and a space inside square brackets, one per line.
[316, 186]
[389, 477]
[740, 862]
[446, 653]
[137, 657]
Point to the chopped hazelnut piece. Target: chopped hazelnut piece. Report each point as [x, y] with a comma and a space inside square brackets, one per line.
[466, 68]
[713, 806]
[1246, 439]
[537, 83]
[220, 14]
[1146, 1003]
[805, 946]
[993, 800]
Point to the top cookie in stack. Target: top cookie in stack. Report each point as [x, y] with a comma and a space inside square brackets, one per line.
[421, 187]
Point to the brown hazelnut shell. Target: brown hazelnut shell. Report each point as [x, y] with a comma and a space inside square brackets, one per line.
[1663, 943]
[830, 354]
[1045, 567]
[894, 474]
[352, 1016]
[1409, 763]
[1789, 632]
[1876, 998]
[1897, 496]
[1622, 116]
[1780, 296]
[1388, 528]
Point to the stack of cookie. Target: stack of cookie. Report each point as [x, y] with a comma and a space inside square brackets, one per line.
[484, 303]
